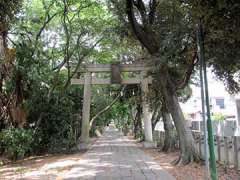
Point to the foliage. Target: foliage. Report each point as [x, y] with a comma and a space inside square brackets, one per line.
[57, 127]
[184, 94]
[118, 112]
[16, 143]
[47, 37]
[221, 26]
[218, 117]
[8, 10]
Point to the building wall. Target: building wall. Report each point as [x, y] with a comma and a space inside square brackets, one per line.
[217, 92]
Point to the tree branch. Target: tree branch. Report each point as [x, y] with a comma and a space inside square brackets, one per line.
[145, 36]
[47, 20]
[107, 107]
[151, 15]
[142, 10]
[80, 59]
[188, 73]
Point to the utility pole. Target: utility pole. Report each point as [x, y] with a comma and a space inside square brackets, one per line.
[201, 54]
[204, 121]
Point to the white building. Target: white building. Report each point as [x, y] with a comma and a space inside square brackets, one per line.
[221, 102]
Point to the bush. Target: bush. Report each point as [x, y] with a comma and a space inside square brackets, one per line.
[218, 117]
[58, 128]
[16, 142]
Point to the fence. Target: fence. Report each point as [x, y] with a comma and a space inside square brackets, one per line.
[220, 128]
[227, 148]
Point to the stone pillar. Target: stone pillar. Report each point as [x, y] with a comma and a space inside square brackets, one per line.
[84, 139]
[146, 111]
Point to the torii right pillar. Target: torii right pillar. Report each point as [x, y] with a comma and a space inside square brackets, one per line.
[146, 112]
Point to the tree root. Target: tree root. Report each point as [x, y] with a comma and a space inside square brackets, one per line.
[183, 160]
[168, 148]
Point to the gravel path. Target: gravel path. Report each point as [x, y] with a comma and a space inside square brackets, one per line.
[112, 156]
[116, 157]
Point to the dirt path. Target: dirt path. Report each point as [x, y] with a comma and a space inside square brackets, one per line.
[193, 171]
[111, 157]
[46, 167]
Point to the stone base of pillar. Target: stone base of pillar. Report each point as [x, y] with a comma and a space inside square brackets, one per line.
[148, 144]
[83, 146]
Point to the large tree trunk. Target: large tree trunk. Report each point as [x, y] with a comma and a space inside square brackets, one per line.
[137, 122]
[3, 46]
[187, 148]
[155, 117]
[169, 140]
[147, 38]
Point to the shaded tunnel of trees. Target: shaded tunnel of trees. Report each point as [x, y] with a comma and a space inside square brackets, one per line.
[39, 40]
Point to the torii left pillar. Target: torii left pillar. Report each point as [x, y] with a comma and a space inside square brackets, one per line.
[84, 139]
[147, 120]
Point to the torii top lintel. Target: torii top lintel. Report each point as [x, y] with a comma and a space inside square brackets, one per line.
[98, 68]
[107, 67]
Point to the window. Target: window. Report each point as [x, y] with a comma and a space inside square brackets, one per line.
[220, 103]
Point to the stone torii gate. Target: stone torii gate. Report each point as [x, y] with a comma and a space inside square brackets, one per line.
[91, 70]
